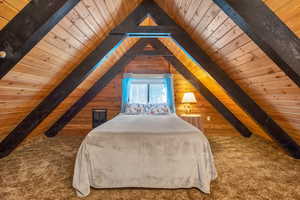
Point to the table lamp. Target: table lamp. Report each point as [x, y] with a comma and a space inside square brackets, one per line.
[187, 99]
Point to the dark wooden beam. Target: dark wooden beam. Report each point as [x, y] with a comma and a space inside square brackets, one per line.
[181, 68]
[268, 32]
[96, 88]
[87, 66]
[156, 52]
[197, 54]
[146, 29]
[28, 27]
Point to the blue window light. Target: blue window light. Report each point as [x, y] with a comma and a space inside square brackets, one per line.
[148, 89]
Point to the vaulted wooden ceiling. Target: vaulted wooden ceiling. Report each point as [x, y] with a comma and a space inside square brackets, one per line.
[86, 25]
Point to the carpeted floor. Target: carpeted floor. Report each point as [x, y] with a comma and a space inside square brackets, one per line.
[248, 169]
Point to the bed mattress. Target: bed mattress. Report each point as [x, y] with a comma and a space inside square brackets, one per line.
[149, 151]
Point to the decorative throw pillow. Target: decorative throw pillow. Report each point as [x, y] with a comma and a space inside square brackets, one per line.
[135, 109]
[158, 109]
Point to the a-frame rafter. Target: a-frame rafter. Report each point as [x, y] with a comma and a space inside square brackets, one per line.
[268, 32]
[26, 29]
[146, 8]
[126, 58]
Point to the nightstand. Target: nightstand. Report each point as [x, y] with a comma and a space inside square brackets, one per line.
[194, 119]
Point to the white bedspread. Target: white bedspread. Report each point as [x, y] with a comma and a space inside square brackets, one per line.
[150, 151]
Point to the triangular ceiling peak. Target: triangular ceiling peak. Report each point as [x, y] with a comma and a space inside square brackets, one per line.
[148, 21]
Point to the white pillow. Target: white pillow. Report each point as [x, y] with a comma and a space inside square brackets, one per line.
[135, 109]
[158, 109]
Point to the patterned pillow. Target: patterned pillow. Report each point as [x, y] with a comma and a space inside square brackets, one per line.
[135, 109]
[158, 109]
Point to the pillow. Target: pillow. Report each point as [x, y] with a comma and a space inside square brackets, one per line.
[158, 109]
[135, 109]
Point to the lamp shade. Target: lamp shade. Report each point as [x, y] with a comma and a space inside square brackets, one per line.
[189, 97]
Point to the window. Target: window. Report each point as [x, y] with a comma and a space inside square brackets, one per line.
[157, 93]
[147, 89]
[146, 92]
[138, 93]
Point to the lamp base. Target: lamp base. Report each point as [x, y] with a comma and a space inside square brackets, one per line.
[187, 109]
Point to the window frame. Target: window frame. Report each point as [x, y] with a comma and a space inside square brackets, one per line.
[148, 93]
[165, 79]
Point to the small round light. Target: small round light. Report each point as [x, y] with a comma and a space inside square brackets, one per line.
[2, 54]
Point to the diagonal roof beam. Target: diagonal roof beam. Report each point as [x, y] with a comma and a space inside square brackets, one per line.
[268, 32]
[198, 55]
[26, 29]
[120, 65]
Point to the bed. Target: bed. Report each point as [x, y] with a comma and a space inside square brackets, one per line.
[148, 151]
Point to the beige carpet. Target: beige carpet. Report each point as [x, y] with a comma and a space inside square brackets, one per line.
[248, 169]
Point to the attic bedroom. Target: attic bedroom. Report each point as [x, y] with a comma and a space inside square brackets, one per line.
[149, 99]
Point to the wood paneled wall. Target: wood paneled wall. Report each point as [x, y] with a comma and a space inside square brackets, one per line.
[217, 125]
[110, 98]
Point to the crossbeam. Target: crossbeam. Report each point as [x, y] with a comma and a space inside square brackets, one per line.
[156, 52]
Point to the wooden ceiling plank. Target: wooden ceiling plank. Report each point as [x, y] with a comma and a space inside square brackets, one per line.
[92, 8]
[30, 25]
[7, 11]
[268, 32]
[17, 4]
[215, 23]
[196, 19]
[73, 30]
[209, 16]
[105, 13]
[85, 15]
[78, 21]
[3, 22]
[192, 9]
